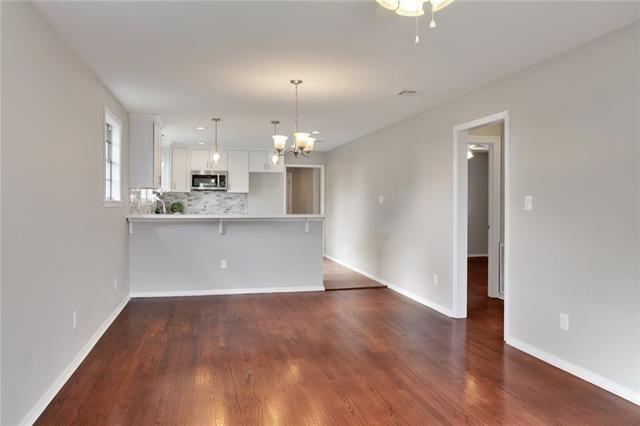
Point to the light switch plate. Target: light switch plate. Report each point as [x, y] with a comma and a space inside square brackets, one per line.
[436, 280]
[381, 199]
[564, 322]
[528, 203]
[223, 263]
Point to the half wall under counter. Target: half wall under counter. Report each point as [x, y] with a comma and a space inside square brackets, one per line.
[184, 255]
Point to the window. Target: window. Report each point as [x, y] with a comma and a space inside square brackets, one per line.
[112, 140]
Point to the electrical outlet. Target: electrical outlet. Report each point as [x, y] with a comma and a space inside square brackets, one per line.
[223, 263]
[564, 322]
[528, 203]
[381, 199]
[75, 319]
[435, 280]
[115, 284]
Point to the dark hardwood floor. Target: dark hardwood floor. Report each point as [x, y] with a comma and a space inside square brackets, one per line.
[342, 357]
[337, 277]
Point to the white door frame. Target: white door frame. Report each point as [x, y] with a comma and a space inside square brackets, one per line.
[308, 166]
[494, 207]
[460, 193]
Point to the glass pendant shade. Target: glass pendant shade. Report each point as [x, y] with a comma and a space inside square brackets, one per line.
[388, 4]
[301, 139]
[216, 156]
[440, 4]
[309, 145]
[279, 142]
[410, 8]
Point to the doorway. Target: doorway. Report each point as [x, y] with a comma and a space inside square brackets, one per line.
[304, 189]
[480, 218]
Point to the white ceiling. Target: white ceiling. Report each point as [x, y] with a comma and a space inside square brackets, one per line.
[187, 61]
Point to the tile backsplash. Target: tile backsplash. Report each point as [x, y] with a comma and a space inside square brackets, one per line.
[208, 202]
[201, 202]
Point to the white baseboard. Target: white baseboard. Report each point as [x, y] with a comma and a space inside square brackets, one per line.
[221, 292]
[580, 372]
[422, 300]
[37, 410]
[478, 255]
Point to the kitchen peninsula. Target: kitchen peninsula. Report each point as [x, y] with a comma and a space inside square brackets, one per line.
[201, 254]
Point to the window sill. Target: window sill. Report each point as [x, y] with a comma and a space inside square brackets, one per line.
[112, 203]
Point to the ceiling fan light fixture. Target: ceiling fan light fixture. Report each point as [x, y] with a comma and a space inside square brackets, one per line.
[388, 4]
[411, 8]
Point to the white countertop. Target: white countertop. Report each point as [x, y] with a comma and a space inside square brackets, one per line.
[212, 217]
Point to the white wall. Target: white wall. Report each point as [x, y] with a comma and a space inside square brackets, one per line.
[574, 147]
[61, 249]
[266, 194]
[478, 217]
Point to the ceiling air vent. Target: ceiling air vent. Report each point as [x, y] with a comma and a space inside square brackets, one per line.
[410, 93]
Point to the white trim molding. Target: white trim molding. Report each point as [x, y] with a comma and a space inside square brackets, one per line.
[228, 291]
[589, 376]
[422, 300]
[459, 246]
[53, 390]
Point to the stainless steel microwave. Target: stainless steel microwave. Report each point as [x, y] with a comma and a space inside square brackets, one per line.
[204, 180]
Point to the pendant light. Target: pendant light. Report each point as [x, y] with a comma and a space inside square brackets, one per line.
[215, 155]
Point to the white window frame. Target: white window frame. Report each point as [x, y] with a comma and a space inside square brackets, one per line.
[116, 149]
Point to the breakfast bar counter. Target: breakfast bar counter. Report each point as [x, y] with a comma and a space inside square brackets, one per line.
[186, 255]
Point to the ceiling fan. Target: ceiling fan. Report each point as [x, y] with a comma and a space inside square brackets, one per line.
[414, 8]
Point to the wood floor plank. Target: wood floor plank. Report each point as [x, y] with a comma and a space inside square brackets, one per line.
[366, 356]
[338, 277]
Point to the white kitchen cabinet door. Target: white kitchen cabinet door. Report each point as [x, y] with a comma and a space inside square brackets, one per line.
[199, 159]
[179, 170]
[238, 171]
[157, 154]
[145, 153]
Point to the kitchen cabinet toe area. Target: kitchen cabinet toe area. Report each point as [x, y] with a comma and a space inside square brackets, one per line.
[192, 255]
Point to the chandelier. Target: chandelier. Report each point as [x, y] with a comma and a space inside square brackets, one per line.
[303, 142]
[415, 8]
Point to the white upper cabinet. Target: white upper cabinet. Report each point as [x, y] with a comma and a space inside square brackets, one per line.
[179, 170]
[145, 151]
[200, 159]
[260, 162]
[238, 171]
